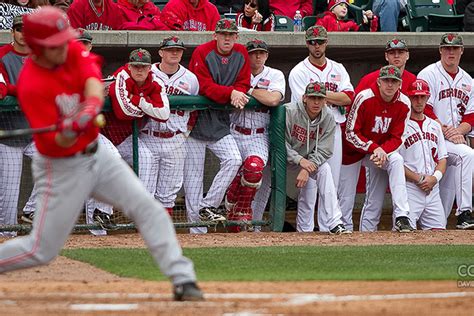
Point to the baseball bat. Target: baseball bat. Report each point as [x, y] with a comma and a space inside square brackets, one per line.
[99, 121]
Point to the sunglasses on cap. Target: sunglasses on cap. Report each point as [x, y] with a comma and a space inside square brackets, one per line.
[314, 42]
[252, 4]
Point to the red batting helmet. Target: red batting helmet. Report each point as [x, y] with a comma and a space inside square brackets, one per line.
[47, 27]
[419, 87]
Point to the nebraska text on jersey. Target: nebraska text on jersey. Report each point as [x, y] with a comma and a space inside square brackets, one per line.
[300, 133]
[416, 137]
[454, 92]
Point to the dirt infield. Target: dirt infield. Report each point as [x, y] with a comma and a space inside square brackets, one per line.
[67, 287]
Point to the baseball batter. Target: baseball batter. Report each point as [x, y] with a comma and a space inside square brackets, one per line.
[250, 130]
[309, 137]
[70, 166]
[452, 104]
[424, 153]
[375, 127]
[166, 140]
[223, 71]
[316, 67]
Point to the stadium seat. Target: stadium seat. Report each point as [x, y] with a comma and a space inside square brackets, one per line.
[309, 21]
[427, 16]
[283, 24]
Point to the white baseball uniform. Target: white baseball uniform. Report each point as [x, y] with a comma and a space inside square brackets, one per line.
[423, 147]
[166, 140]
[452, 101]
[250, 131]
[336, 79]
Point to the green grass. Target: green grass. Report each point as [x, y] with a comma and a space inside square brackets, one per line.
[394, 262]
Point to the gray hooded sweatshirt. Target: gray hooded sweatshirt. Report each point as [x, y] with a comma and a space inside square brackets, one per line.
[313, 140]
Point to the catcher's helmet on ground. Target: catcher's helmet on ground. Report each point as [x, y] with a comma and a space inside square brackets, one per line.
[419, 87]
[47, 27]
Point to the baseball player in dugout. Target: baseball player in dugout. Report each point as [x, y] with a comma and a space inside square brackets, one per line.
[375, 126]
[70, 165]
[396, 54]
[250, 130]
[451, 103]
[167, 139]
[339, 93]
[309, 139]
[424, 154]
[12, 57]
[223, 70]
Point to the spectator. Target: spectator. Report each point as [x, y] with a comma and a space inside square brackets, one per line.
[309, 138]
[95, 15]
[288, 8]
[61, 4]
[140, 15]
[9, 12]
[190, 15]
[466, 7]
[388, 12]
[334, 19]
[12, 57]
[32, 4]
[223, 70]
[256, 15]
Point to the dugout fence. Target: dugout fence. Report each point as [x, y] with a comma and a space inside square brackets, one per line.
[116, 131]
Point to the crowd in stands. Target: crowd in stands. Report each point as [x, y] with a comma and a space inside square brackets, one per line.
[202, 15]
[324, 152]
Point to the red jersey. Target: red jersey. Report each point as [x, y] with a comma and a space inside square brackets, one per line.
[180, 12]
[333, 24]
[268, 25]
[365, 82]
[288, 8]
[47, 96]
[145, 18]
[374, 123]
[128, 103]
[83, 13]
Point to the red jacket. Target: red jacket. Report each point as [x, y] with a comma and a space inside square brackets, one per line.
[145, 18]
[205, 57]
[128, 108]
[333, 24]
[365, 82]
[82, 13]
[268, 25]
[374, 123]
[181, 15]
[288, 8]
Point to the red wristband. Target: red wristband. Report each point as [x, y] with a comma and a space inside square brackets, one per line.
[93, 104]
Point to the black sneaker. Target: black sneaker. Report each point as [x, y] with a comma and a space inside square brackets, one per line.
[103, 220]
[465, 220]
[28, 218]
[187, 292]
[339, 230]
[209, 214]
[402, 224]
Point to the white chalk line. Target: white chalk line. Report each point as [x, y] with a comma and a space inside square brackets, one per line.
[289, 299]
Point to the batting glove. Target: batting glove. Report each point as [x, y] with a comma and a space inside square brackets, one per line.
[83, 120]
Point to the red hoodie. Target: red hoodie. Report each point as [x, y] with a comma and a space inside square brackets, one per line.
[333, 24]
[374, 123]
[181, 15]
[83, 13]
[145, 18]
[288, 8]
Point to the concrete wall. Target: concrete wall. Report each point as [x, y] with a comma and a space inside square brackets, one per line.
[359, 52]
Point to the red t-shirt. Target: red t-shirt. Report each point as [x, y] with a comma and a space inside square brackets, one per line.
[47, 96]
[83, 14]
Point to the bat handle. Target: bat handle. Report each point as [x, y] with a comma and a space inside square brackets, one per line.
[99, 120]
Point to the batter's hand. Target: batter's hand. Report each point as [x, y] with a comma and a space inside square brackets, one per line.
[302, 178]
[308, 165]
[238, 99]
